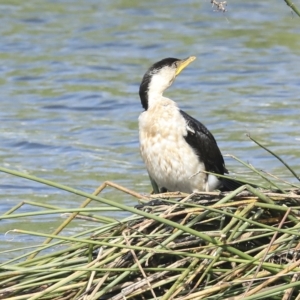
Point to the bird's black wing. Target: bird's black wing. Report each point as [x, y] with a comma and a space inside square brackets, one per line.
[204, 145]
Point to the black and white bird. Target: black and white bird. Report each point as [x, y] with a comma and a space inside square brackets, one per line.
[175, 147]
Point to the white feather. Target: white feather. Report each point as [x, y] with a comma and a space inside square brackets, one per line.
[169, 159]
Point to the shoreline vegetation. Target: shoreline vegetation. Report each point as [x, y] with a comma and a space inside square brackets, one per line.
[231, 245]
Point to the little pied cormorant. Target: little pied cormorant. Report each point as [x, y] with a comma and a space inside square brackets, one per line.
[175, 147]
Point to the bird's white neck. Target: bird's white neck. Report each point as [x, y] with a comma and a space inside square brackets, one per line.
[156, 101]
[154, 84]
[156, 88]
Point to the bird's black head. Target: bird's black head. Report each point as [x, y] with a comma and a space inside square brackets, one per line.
[160, 76]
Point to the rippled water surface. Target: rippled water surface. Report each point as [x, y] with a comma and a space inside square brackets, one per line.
[69, 76]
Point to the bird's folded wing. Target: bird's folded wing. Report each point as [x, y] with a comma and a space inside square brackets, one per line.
[204, 145]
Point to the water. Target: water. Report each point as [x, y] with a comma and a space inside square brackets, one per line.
[69, 76]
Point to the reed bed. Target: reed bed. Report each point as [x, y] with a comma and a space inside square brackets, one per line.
[232, 245]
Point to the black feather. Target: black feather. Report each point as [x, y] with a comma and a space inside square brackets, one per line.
[204, 145]
[229, 184]
[206, 148]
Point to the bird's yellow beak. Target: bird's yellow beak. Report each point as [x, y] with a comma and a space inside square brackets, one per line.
[184, 63]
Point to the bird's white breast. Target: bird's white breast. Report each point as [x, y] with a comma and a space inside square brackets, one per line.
[169, 159]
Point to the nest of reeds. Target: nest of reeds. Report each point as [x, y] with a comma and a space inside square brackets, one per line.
[238, 245]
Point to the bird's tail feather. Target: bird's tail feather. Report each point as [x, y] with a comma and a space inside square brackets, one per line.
[230, 184]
